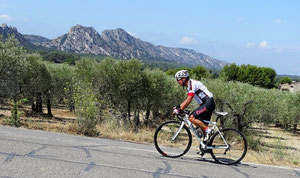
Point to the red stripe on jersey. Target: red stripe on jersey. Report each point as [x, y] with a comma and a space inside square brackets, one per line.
[191, 94]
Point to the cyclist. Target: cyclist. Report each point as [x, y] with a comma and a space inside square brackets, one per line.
[196, 90]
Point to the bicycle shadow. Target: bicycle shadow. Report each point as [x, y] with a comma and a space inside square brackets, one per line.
[212, 161]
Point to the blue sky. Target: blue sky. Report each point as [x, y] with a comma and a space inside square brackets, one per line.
[258, 32]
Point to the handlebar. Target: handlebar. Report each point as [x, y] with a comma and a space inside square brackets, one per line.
[186, 112]
[181, 115]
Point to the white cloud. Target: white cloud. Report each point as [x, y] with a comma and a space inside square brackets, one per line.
[5, 17]
[250, 45]
[186, 40]
[264, 44]
[278, 21]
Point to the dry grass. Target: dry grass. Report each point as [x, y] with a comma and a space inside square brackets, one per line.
[143, 135]
[279, 147]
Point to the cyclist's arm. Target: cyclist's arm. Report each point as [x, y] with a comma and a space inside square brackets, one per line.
[186, 102]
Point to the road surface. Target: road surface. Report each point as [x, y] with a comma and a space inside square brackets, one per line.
[32, 153]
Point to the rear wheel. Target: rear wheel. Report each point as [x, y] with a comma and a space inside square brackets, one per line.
[169, 147]
[232, 152]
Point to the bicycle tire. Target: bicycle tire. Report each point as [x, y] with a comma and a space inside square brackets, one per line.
[238, 146]
[163, 139]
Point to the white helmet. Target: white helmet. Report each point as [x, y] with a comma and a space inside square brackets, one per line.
[180, 74]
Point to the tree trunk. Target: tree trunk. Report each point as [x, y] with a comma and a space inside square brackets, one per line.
[15, 110]
[147, 120]
[33, 106]
[222, 123]
[155, 116]
[49, 107]
[128, 111]
[71, 105]
[136, 118]
[124, 116]
[295, 128]
[39, 103]
[221, 105]
[239, 124]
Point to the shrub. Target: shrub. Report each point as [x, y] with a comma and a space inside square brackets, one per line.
[86, 108]
[14, 119]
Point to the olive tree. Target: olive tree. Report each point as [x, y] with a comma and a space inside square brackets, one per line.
[13, 72]
[13, 68]
[61, 85]
[38, 83]
[162, 94]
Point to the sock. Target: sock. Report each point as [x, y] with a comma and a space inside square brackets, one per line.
[207, 130]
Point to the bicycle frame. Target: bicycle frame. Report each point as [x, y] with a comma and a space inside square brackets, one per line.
[186, 121]
[226, 145]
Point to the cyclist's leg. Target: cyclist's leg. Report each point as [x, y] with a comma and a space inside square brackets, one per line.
[195, 117]
[203, 112]
[210, 107]
[197, 122]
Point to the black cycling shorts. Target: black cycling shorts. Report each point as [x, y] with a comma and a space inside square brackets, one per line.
[205, 110]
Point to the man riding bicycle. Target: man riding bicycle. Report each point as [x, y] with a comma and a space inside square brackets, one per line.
[198, 91]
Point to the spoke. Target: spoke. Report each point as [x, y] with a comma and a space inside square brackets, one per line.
[172, 139]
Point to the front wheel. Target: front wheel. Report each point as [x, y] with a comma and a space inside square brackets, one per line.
[167, 144]
[229, 147]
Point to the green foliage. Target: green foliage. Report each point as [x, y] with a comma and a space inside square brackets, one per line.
[292, 77]
[250, 104]
[61, 85]
[23, 75]
[230, 72]
[162, 93]
[85, 96]
[199, 72]
[60, 57]
[14, 119]
[86, 108]
[37, 81]
[121, 83]
[127, 86]
[284, 80]
[13, 68]
[257, 76]
[254, 142]
[280, 152]
[290, 113]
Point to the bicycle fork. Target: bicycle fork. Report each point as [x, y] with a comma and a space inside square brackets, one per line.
[178, 131]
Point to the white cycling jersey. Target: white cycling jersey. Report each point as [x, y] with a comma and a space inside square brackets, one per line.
[198, 90]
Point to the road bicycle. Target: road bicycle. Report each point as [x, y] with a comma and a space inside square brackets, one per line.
[226, 145]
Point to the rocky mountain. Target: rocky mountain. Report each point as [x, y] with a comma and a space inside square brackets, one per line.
[6, 31]
[36, 39]
[120, 44]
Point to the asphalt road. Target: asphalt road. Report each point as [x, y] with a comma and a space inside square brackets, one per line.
[31, 153]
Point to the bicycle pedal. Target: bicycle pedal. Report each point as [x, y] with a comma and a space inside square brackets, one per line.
[201, 153]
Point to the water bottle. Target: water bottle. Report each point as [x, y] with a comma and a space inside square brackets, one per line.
[199, 132]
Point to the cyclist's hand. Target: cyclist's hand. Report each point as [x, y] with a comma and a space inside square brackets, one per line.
[176, 110]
